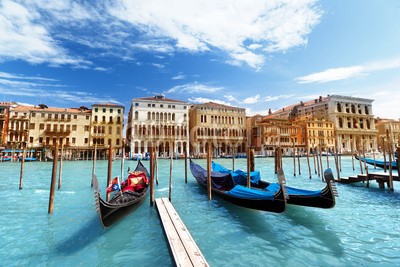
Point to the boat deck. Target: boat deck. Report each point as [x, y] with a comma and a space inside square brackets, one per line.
[183, 247]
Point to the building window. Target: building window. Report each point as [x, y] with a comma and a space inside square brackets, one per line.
[56, 116]
[88, 117]
[136, 115]
[96, 109]
[33, 115]
[111, 110]
[68, 127]
[75, 117]
[149, 105]
[42, 115]
[41, 126]
[86, 140]
[73, 140]
[117, 143]
[69, 117]
[119, 111]
[111, 119]
[136, 104]
[73, 127]
[31, 139]
[104, 110]
[49, 116]
[110, 130]
[87, 128]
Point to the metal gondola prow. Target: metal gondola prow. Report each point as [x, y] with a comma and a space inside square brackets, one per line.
[282, 182]
[329, 179]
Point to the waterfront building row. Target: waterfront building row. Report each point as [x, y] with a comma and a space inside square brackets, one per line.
[329, 123]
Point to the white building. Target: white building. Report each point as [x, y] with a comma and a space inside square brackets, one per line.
[158, 121]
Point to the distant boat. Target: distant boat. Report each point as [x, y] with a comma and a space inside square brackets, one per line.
[27, 159]
[377, 163]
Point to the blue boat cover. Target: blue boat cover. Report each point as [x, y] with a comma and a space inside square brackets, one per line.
[249, 193]
[239, 176]
[273, 187]
[380, 162]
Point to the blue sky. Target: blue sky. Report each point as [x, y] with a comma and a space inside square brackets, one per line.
[258, 55]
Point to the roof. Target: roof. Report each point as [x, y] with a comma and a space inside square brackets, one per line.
[21, 108]
[107, 105]
[216, 105]
[159, 98]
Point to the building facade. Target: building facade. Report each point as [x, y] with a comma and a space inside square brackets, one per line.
[388, 133]
[158, 121]
[224, 126]
[4, 118]
[107, 123]
[352, 118]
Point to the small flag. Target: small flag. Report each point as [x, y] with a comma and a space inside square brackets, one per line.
[114, 185]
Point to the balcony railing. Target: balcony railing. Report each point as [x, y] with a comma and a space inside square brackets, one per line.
[57, 133]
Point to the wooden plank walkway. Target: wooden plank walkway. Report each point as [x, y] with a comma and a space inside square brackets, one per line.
[380, 178]
[183, 248]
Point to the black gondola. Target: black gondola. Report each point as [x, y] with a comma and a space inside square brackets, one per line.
[324, 198]
[122, 203]
[224, 187]
[378, 163]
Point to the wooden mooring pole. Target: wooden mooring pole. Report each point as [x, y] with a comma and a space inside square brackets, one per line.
[109, 170]
[186, 165]
[209, 155]
[53, 178]
[171, 155]
[308, 163]
[94, 163]
[384, 154]
[390, 152]
[152, 169]
[61, 165]
[298, 160]
[21, 174]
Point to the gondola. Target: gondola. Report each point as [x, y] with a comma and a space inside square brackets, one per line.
[324, 198]
[223, 186]
[377, 163]
[122, 203]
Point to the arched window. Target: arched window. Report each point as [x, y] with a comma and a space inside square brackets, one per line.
[339, 107]
[136, 115]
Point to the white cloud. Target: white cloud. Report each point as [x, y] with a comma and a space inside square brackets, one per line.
[22, 37]
[180, 76]
[201, 100]
[33, 87]
[193, 88]
[232, 27]
[277, 97]
[157, 65]
[231, 98]
[251, 100]
[343, 73]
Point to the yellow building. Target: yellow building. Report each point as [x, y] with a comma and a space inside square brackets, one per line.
[224, 126]
[388, 127]
[107, 123]
[4, 117]
[352, 118]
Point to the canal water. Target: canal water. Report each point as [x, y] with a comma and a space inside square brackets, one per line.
[361, 230]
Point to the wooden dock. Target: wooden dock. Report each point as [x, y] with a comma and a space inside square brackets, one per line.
[182, 246]
[380, 178]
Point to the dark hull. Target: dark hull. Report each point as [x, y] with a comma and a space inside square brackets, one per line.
[378, 163]
[325, 201]
[277, 205]
[120, 205]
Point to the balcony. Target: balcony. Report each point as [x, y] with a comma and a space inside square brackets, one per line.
[57, 133]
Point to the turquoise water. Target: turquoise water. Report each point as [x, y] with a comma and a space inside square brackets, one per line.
[361, 230]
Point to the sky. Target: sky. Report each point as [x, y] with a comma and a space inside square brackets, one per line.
[258, 54]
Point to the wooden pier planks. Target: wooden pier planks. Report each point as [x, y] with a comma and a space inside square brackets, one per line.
[182, 245]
